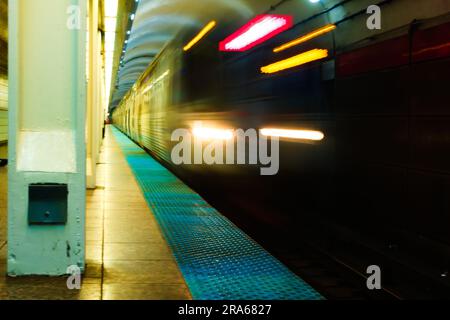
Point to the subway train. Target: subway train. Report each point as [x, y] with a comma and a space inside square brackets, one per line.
[376, 188]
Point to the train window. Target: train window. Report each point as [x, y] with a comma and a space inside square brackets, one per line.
[199, 76]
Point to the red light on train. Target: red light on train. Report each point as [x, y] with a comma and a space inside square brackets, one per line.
[256, 31]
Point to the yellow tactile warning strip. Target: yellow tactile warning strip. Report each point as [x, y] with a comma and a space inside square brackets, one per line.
[127, 257]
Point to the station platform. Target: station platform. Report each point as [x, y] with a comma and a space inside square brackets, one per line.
[150, 237]
[127, 257]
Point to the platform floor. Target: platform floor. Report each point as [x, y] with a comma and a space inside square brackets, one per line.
[217, 259]
[3, 220]
[150, 237]
[127, 257]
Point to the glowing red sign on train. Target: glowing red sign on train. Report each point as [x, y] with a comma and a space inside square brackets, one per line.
[256, 31]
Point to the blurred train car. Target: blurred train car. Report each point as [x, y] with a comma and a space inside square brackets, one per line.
[380, 178]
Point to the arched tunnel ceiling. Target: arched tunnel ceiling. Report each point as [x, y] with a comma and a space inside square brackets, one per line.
[158, 21]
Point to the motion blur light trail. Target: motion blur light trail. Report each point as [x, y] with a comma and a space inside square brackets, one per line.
[293, 134]
[257, 31]
[200, 35]
[212, 133]
[295, 61]
[305, 38]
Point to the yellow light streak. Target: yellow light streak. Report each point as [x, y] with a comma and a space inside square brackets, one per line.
[295, 61]
[305, 38]
[200, 35]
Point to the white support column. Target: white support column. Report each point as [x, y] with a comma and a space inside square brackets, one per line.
[94, 106]
[101, 102]
[47, 154]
